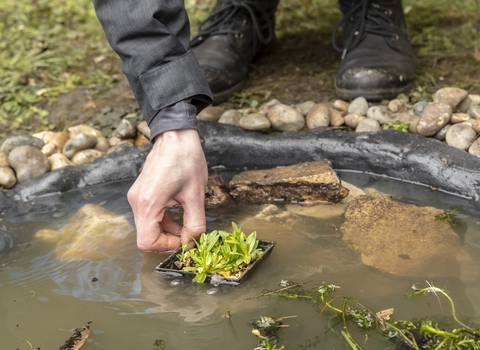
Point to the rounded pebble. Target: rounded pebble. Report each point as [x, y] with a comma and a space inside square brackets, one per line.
[255, 122]
[58, 160]
[86, 156]
[7, 177]
[368, 125]
[459, 118]
[28, 162]
[381, 114]
[212, 291]
[286, 118]
[175, 282]
[79, 143]
[397, 106]
[460, 136]
[336, 117]
[352, 120]
[341, 105]
[231, 116]
[475, 148]
[450, 95]
[318, 116]
[419, 107]
[304, 107]
[358, 106]
[474, 111]
[211, 113]
[435, 116]
[126, 129]
[440, 135]
[23, 140]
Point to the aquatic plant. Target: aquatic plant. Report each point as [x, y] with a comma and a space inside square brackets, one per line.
[415, 334]
[266, 328]
[221, 253]
[449, 216]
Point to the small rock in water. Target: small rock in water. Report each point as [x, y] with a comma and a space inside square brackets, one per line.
[304, 107]
[175, 282]
[336, 117]
[450, 96]
[285, 118]
[143, 128]
[397, 106]
[459, 118]
[7, 178]
[358, 106]
[460, 136]
[318, 116]
[419, 107]
[28, 162]
[442, 133]
[58, 160]
[368, 125]
[232, 116]
[381, 114]
[435, 116]
[86, 156]
[17, 141]
[475, 148]
[474, 111]
[126, 129]
[211, 113]
[255, 122]
[341, 105]
[352, 120]
[79, 143]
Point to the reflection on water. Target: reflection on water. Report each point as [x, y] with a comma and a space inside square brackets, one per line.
[72, 259]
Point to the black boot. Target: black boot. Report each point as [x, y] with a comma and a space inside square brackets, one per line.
[377, 58]
[228, 41]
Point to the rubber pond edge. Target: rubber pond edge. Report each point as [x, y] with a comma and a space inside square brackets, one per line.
[403, 156]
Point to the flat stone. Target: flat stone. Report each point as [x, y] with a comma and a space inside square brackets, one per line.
[450, 96]
[381, 114]
[375, 228]
[143, 128]
[397, 106]
[58, 160]
[474, 112]
[304, 107]
[211, 113]
[358, 106]
[460, 136]
[341, 105]
[79, 143]
[3, 159]
[86, 156]
[28, 162]
[459, 118]
[435, 116]
[23, 140]
[419, 107]
[285, 118]
[216, 193]
[232, 116]
[7, 177]
[442, 133]
[352, 120]
[127, 129]
[475, 148]
[336, 117]
[255, 122]
[318, 116]
[368, 125]
[407, 118]
[302, 183]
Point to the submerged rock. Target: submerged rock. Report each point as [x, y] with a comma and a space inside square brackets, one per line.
[426, 247]
[306, 183]
[216, 193]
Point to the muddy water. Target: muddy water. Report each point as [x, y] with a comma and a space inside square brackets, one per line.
[44, 297]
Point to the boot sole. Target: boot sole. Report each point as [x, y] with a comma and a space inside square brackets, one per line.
[371, 95]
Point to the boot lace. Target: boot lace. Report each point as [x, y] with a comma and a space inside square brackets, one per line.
[221, 22]
[370, 18]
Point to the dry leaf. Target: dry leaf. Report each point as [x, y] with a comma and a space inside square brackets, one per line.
[78, 338]
[383, 316]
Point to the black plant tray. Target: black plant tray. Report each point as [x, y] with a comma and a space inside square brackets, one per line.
[168, 269]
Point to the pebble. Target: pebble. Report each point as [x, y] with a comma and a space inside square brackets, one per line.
[102, 144]
[267, 106]
[460, 136]
[140, 140]
[381, 114]
[475, 148]
[450, 95]
[318, 116]
[113, 141]
[126, 129]
[352, 120]
[407, 118]
[28, 162]
[79, 143]
[435, 116]
[256, 122]
[368, 125]
[459, 117]
[440, 135]
[143, 128]
[232, 116]
[336, 117]
[45, 136]
[211, 114]
[304, 107]
[475, 99]
[464, 106]
[58, 160]
[7, 177]
[397, 106]
[16, 141]
[475, 126]
[419, 107]
[55, 144]
[123, 144]
[3, 159]
[248, 110]
[86, 156]
[286, 118]
[474, 111]
[341, 105]
[83, 129]
[358, 106]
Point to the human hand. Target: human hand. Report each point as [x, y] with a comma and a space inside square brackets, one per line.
[175, 172]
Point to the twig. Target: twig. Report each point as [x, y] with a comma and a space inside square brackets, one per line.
[31, 347]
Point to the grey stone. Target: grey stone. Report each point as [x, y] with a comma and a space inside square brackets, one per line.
[406, 118]
[381, 114]
[341, 105]
[211, 113]
[255, 122]
[397, 106]
[336, 117]
[358, 106]
[435, 116]
[79, 143]
[475, 148]
[450, 96]
[127, 129]
[318, 116]
[304, 107]
[464, 105]
[442, 133]
[7, 177]
[352, 120]
[368, 125]
[460, 136]
[231, 116]
[28, 162]
[459, 118]
[474, 111]
[286, 118]
[23, 140]
[419, 107]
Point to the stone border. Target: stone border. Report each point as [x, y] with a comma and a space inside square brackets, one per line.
[403, 156]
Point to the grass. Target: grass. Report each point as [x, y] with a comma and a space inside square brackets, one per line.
[50, 47]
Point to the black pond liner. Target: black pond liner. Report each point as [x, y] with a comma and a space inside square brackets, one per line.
[401, 156]
[168, 269]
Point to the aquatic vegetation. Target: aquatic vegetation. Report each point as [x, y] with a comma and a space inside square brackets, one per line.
[414, 334]
[397, 125]
[449, 216]
[266, 328]
[221, 253]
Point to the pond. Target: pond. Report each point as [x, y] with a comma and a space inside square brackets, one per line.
[45, 293]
